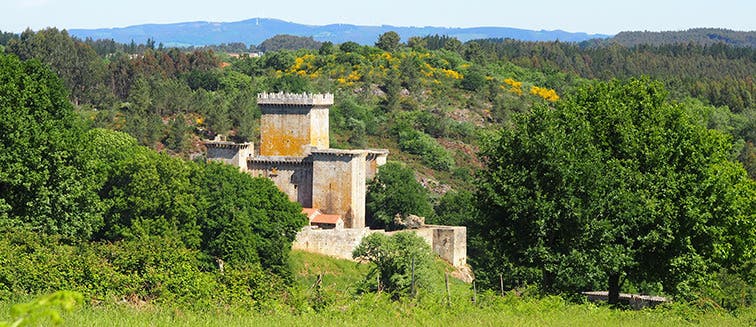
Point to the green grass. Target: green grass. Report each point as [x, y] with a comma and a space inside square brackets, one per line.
[372, 310]
[345, 308]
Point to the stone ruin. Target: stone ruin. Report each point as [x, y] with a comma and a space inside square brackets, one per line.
[330, 184]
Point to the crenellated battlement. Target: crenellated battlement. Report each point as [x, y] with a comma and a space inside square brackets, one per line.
[295, 99]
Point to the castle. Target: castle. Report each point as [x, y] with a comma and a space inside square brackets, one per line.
[294, 153]
[330, 184]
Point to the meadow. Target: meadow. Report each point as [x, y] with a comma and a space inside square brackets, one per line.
[336, 302]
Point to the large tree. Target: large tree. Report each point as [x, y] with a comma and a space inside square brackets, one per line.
[47, 182]
[388, 41]
[614, 183]
[395, 191]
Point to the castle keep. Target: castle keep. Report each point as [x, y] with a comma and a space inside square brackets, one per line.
[294, 152]
[330, 184]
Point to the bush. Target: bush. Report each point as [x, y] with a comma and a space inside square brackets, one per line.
[431, 153]
[402, 261]
[154, 269]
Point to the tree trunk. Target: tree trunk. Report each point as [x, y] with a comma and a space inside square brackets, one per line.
[614, 288]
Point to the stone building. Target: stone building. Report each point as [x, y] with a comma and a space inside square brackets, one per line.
[295, 154]
[330, 184]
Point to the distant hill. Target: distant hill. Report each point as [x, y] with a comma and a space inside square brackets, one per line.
[703, 36]
[256, 30]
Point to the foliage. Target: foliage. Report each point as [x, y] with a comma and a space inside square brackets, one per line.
[402, 262]
[167, 218]
[367, 309]
[149, 269]
[388, 41]
[432, 154]
[455, 208]
[46, 180]
[730, 291]
[43, 308]
[614, 183]
[394, 191]
[699, 36]
[289, 42]
[246, 220]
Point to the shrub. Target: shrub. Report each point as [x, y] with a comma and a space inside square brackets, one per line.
[431, 153]
[401, 262]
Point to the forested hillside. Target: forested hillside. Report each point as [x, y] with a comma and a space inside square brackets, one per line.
[700, 36]
[575, 166]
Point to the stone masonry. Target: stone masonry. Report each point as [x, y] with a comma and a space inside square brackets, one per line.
[294, 153]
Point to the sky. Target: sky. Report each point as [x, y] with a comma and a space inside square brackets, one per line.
[589, 16]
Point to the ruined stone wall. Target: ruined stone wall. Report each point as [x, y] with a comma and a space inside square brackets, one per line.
[336, 243]
[292, 176]
[235, 154]
[448, 242]
[375, 159]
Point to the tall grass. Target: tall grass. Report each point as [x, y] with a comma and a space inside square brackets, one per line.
[342, 306]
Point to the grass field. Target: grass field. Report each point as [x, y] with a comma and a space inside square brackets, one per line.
[342, 307]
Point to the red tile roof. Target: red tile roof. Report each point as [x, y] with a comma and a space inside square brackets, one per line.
[326, 219]
[309, 211]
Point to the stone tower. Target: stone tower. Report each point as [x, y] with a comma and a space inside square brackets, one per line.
[230, 153]
[294, 153]
[293, 123]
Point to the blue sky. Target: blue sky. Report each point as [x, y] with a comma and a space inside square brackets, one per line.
[590, 16]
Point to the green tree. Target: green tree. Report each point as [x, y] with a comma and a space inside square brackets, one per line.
[455, 208]
[75, 62]
[388, 41]
[246, 220]
[47, 181]
[474, 79]
[289, 42]
[400, 262]
[613, 184]
[326, 48]
[149, 194]
[395, 191]
[176, 139]
[417, 43]
[350, 46]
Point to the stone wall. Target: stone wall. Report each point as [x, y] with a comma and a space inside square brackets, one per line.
[448, 242]
[338, 185]
[337, 243]
[291, 175]
[231, 153]
[292, 123]
[375, 159]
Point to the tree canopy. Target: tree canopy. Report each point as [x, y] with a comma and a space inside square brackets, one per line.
[395, 191]
[388, 41]
[614, 183]
[46, 180]
[402, 262]
[60, 178]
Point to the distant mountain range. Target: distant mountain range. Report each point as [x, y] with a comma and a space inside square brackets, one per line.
[256, 30]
